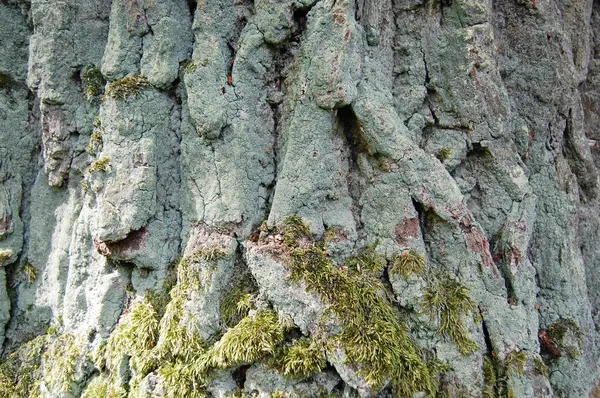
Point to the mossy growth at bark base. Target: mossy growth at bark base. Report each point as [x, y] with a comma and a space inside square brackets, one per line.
[48, 360]
[372, 336]
[166, 342]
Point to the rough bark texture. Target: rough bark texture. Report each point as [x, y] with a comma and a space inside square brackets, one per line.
[465, 133]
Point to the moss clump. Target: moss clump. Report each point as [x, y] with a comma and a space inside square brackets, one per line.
[236, 305]
[96, 143]
[444, 154]
[46, 358]
[372, 336]
[135, 335]
[93, 82]
[540, 367]
[490, 378]
[188, 66]
[254, 337]
[20, 370]
[303, 359]
[563, 337]
[515, 362]
[127, 87]
[447, 301]
[195, 271]
[100, 165]
[29, 271]
[367, 261]
[59, 363]
[407, 264]
[102, 387]
[5, 255]
[179, 379]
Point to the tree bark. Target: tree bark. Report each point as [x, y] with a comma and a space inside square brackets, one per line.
[435, 150]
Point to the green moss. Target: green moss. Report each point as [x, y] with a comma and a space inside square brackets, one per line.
[5, 255]
[367, 261]
[127, 87]
[490, 378]
[20, 370]
[180, 380]
[194, 272]
[562, 337]
[447, 301]
[407, 264]
[135, 335]
[372, 336]
[294, 230]
[444, 154]
[558, 330]
[239, 393]
[540, 367]
[254, 337]
[188, 66]
[93, 82]
[179, 337]
[103, 386]
[96, 143]
[29, 271]
[515, 362]
[59, 363]
[84, 187]
[303, 359]
[100, 165]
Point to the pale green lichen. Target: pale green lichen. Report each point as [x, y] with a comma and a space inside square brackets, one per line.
[447, 302]
[127, 87]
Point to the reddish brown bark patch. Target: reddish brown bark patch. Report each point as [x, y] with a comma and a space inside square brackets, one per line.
[132, 243]
[407, 231]
[5, 225]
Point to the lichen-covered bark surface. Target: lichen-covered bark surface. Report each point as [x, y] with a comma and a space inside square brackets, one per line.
[161, 161]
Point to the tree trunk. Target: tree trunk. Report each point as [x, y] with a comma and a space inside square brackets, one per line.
[299, 198]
